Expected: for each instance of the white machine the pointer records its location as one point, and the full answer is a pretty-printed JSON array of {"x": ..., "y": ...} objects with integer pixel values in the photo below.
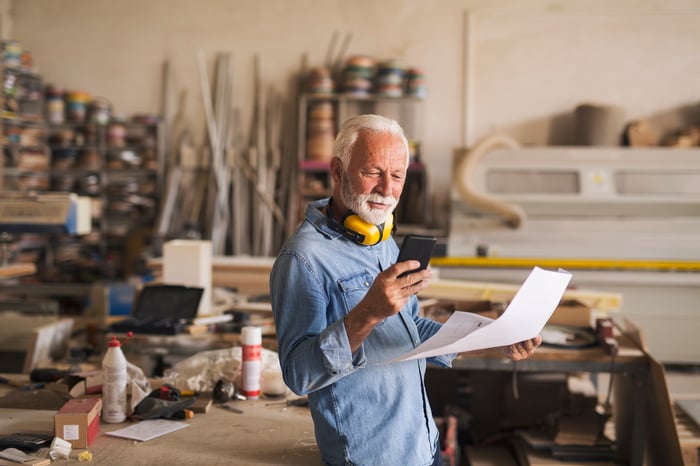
[
  {"x": 621, "y": 219},
  {"x": 44, "y": 213}
]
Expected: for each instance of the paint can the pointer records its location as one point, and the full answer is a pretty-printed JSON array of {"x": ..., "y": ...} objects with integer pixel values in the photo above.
[
  {"x": 116, "y": 134},
  {"x": 100, "y": 111},
  {"x": 11, "y": 53},
  {"x": 55, "y": 107},
  {"x": 76, "y": 106}
]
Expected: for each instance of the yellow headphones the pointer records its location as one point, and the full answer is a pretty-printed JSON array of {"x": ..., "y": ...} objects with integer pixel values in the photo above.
[
  {"x": 359, "y": 231},
  {"x": 365, "y": 233}
]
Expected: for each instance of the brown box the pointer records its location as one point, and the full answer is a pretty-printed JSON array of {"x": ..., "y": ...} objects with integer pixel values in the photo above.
[
  {"x": 78, "y": 421},
  {"x": 78, "y": 384},
  {"x": 572, "y": 313}
]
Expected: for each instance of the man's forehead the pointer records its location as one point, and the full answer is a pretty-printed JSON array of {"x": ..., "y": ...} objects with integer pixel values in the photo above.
[{"x": 378, "y": 147}]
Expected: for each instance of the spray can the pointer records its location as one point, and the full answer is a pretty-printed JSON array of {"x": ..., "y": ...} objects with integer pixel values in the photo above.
[
  {"x": 251, "y": 342},
  {"x": 114, "y": 383}
]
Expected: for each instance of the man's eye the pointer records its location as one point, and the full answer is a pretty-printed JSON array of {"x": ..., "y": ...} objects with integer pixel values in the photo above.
[{"x": 373, "y": 174}]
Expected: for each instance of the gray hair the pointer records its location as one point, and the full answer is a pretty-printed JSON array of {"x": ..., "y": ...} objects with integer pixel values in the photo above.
[{"x": 350, "y": 130}]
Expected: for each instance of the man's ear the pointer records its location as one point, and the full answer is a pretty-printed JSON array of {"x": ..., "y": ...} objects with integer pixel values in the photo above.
[{"x": 336, "y": 170}]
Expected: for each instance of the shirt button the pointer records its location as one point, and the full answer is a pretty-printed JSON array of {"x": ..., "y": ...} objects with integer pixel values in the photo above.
[{"x": 366, "y": 283}]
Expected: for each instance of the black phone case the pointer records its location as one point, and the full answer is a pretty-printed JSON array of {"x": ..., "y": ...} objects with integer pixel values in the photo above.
[{"x": 417, "y": 247}]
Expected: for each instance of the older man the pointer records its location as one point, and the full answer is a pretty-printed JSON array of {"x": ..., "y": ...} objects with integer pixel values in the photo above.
[{"x": 342, "y": 311}]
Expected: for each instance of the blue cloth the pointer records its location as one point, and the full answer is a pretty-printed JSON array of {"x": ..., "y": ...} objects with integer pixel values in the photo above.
[{"x": 365, "y": 412}]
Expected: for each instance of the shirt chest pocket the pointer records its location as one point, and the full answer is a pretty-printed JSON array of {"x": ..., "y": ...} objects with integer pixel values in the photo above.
[{"x": 353, "y": 288}]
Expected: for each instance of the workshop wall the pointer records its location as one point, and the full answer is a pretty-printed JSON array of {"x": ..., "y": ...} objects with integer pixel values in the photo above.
[{"x": 531, "y": 61}]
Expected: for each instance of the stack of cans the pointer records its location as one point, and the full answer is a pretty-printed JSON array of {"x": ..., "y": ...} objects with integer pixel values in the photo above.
[
  {"x": 390, "y": 79},
  {"x": 358, "y": 75},
  {"x": 415, "y": 85},
  {"x": 319, "y": 81},
  {"x": 320, "y": 132}
]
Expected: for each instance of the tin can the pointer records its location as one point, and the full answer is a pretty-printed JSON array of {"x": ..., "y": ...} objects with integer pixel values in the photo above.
[
  {"x": 76, "y": 106},
  {"x": 55, "y": 107},
  {"x": 100, "y": 111}
]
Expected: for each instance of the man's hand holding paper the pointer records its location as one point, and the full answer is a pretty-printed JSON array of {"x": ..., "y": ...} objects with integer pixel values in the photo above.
[{"x": 516, "y": 330}]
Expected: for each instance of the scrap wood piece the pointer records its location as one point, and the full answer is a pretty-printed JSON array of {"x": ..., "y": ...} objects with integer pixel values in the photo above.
[
  {"x": 202, "y": 404},
  {"x": 17, "y": 270},
  {"x": 29, "y": 461},
  {"x": 499, "y": 292}
]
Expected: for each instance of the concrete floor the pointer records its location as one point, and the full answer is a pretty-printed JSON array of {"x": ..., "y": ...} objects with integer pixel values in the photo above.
[{"x": 683, "y": 381}]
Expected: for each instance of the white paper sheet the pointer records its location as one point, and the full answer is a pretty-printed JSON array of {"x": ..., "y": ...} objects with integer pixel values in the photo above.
[
  {"x": 524, "y": 318},
  {"x": 149, "y": 429}
]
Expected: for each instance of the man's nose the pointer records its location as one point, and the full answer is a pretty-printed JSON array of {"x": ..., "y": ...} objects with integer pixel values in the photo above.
[{"x": 384, "y": 185}]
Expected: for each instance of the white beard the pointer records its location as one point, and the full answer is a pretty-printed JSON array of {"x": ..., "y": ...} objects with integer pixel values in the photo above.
[{"x": 358, "y": 203}]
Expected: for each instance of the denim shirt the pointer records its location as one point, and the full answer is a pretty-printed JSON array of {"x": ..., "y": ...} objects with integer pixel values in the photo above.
[{"x": 365, "y": 411}]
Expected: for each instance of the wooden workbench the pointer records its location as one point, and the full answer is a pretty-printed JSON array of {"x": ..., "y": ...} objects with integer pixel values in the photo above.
[
  {"x": 262, "y": 435},
  {"x": 631, "y": 362}
]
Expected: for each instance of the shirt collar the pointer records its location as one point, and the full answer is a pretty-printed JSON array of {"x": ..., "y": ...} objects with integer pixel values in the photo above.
[{"x": 319, "y": 218}]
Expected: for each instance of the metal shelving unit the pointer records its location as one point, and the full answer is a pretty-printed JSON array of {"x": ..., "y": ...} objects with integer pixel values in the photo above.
[
  {"x": 25, "y": 153},
  {"x": 122, "y": 178}
]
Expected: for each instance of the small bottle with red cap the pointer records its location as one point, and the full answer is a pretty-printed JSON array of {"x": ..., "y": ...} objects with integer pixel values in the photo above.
[{"x": 114, "y": 383}]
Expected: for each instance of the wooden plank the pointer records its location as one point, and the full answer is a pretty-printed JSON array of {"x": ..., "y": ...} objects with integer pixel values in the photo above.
[
  {"x": 499, "y": 292},
  {"x": 17, "y": 270},
  {"x": 32, "y": 461}
]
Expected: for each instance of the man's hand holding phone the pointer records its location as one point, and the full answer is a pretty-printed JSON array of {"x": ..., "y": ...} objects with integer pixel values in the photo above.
[{"x": 416, "y": 247}]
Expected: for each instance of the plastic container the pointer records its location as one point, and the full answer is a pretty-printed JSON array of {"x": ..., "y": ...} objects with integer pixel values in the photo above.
[
  {"x": 114, "y": 384},
  {"x": 251, "y": 343}
]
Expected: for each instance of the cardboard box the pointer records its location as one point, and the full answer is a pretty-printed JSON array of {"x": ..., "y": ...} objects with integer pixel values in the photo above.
[
  {"x": 78, "y": 421},
  {"x": 572, "y": 312},
  {"x": 79, "y": 384},
  {"x": 93, "y": 381}
]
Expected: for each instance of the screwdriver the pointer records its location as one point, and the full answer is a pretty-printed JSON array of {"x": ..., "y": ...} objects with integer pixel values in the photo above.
[{"x": 19, "y": 384}]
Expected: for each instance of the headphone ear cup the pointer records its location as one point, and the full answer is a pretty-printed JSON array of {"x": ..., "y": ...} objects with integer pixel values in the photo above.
[
  {"x": 361, "y": 231},
  {"x": 365, "y": 233}
]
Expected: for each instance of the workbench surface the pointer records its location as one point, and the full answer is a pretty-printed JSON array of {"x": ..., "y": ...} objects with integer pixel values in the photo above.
[{"x": 263, "y": 434}]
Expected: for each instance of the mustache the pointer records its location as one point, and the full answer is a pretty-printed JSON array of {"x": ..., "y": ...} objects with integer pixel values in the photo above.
[{"x": 390, "y": 201}]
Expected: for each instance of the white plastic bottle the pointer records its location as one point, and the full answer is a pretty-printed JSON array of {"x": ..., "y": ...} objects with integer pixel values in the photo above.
[
  {"x": 114, "y": 383},
  {"x": 251, "y": 342}
]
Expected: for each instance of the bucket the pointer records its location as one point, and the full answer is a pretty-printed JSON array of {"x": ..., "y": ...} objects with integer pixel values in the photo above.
[{"x": 599, "y": 125}]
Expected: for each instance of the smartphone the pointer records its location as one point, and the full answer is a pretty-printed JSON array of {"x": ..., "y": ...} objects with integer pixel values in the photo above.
[{"x": 417, "y": 247}]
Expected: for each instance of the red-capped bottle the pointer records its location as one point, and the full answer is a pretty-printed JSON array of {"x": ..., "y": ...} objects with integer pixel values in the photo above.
[{"x": 114, "y": 383}]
